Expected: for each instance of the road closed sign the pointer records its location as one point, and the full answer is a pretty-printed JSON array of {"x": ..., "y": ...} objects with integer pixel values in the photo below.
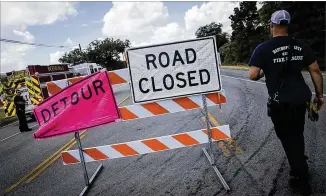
[{"x": 173, "y": 70}]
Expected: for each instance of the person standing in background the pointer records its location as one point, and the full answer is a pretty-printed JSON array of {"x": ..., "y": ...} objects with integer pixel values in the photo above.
[
  {"x": 20, "y": 111},
  {"x": 281, "y": 60}
]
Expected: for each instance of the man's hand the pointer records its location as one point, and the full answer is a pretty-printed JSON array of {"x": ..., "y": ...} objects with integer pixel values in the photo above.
[
  {"x": 317, "y": 79},
  {"x": 319, "y": 101},
  {"x": 255, "y": 73}
]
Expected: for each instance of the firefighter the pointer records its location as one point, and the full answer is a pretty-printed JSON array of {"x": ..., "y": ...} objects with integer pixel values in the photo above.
[
  {"x": 281, "y": 59},
  {"x": 20, "y": 111}
]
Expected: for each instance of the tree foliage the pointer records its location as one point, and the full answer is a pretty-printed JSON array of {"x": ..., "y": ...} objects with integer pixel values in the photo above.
[
  {"x": 247, "y": 31},
  {"x": 105, "y": 53},
  {"x": 74, "y": 57},
  {"x": 213, "y": 29}
]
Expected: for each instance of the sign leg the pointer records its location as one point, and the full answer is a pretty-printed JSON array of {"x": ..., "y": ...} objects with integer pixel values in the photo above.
[
  {"x": 208, "y": 126},
  {"x": 210, "y": 155},
  {"x": 88, "y": 182},
  {"x": 82, "y": 160}
]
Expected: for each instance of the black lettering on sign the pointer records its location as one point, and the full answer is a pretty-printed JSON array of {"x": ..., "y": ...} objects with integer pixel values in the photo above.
[
  {"x": 181, "y": 79},
  {"x": 98, "y": 85},
  {"x": 166, "y": 57},
  {"x": 64, "y": 101},
  {"x": 44, "y": 117},
  {"x": 177, "y": 57},
  {"x": 190, "y": 78},
  {"x": 171, "y": 79},
  {"x": 153, "y": 84},
  {"x": 152, "y": 60},
  {"x": 140, "y": 85},
  {"x": 54, "y": 109},
  {"x": 89, "y": 90},
  {"x": 74, "y": 102},
  {"x": 188, "y": 55},
  {"x": 202, "y": 77}
]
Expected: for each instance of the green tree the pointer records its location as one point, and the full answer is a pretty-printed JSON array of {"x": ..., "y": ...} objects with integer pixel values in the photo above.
[
  {"x": 213, "y": 29},
  {"x": 105, "y": 53},
  {"x": 247, "y": 33},
  {"x": 74, "y": 57},
  {"x": 228, "y": 56}
]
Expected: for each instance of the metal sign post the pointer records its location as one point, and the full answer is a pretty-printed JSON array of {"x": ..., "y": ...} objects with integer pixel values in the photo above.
[
  {"x": 210, "y": 156},
  {"x": 88, "y": 183}
]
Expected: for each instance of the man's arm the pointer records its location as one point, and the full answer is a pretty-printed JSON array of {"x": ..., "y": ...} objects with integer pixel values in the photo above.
[
  {"x": 255, "y": 73},
  {"x": 317, "y": 79},
  {"x": 256, "y": 64}
]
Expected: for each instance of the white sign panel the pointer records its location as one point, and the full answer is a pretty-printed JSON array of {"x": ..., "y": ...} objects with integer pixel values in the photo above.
[{"x": 174, "y": 69}]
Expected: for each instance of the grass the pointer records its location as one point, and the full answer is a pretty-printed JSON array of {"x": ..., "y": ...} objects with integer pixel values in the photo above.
[
  {"x": 236, "y": 67},
  {"x": 2, "y": 113}
]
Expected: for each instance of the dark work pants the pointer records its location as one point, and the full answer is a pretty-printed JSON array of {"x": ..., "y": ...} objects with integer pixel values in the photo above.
[
  {"x": 23, "y": 126},
  {"x": 289, "y": 123}
]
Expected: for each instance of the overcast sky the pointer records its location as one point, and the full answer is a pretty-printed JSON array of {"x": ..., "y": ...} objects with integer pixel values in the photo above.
[{"x": 73, "y": 23}]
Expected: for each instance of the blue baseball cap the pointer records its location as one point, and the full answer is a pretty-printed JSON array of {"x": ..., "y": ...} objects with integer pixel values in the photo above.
[{"x": 281, "y": 17}]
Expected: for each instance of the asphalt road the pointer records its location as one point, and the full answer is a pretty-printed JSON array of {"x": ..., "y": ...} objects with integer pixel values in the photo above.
[{"x": 256, "y": 167}]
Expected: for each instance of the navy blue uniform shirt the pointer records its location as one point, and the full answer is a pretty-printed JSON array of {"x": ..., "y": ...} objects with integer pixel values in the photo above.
[
  {"x": 19, "y": 107},
  {"x": 271, "y": 55}
]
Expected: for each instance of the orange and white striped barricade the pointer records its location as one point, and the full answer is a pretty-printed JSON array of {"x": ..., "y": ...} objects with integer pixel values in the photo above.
[
  {"x": 169, "y": 106},
  {"x": 116, "y": 77},
  {"x": 146, "y": 146},
  {"x": 145, "y": 110},
  {"x": 148, "y": 74}
]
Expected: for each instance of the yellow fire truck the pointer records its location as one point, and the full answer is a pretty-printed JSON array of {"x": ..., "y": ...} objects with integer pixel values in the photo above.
[
  {"x": 38, "y": 75},
  {"x": 32, "y": 83},
  {"x": 14, "y": 81}
]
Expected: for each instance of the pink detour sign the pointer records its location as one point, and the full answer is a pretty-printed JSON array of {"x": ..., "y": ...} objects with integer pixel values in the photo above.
[{"x": 85, "y": 104}]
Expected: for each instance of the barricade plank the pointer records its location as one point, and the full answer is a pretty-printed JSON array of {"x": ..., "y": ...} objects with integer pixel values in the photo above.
[
  {"x": 147, "y": 145},
  {"x": 145, "y": 110}
]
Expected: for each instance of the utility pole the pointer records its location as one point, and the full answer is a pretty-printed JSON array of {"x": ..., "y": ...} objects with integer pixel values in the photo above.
[
  {"x": 85, "y": 59},
  {"x": 81, "y": 52}
]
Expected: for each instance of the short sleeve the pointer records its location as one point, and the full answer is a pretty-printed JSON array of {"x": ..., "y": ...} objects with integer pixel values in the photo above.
[
  {"x": 309, "y": 56},
  {"x": 256, "y": 57}
]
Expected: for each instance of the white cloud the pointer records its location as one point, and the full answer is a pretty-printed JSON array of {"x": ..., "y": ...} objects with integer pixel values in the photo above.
[
  {"x": 54, "y": 57},
  {"x": 35, "y": 13},
  {"x": 20, "y": 15},
  {"x": 259, "y": 5},
  {"x": 168, "y": 33},
  {"x": 84, "y": 25},
  {"x": 68, "y": 41},
  {"x": 12, "y": 55},
  {"x": 133, "y": 18},
  {"x": 25, "y": 34},
  {"x": 147, "y": 27},
  {"x": 210, "y": 12}
]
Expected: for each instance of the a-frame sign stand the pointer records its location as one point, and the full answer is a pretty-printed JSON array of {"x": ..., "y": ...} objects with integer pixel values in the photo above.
[
  {"x": 88, "y": 182},
  {"x": 210, "y": 155}
]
